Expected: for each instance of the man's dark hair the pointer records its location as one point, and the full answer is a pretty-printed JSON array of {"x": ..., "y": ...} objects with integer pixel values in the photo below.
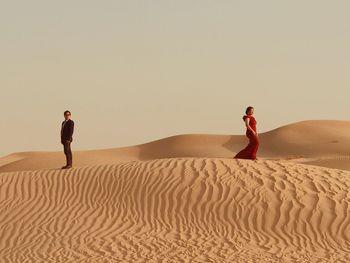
[
  {"x": 67, "y": 111},
  {"x": 248, "y": 109}
]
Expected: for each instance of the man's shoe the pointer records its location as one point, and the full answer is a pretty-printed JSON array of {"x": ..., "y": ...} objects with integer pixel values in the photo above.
[
  {"x": 67, "y": 167},
  {"x": 64, "y": 167}
]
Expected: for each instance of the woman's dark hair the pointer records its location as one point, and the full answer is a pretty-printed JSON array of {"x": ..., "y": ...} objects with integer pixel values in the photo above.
[
  {"x": 67, "y": 111},
  {"x": 248, "y": 109}
]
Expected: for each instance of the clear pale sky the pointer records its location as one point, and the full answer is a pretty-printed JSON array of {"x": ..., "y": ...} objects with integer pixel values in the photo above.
[{"x": 136, "y": 71}]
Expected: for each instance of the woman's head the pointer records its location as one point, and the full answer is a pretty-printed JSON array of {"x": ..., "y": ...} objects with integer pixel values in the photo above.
[{"x": 249, "y": 110}]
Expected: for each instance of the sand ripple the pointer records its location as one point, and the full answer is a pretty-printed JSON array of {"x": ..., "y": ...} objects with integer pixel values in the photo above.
[{"x": 177, "y": 210}]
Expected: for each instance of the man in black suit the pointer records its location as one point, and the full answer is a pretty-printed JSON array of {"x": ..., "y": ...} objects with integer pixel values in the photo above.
[{"x": 66, "y": 138}]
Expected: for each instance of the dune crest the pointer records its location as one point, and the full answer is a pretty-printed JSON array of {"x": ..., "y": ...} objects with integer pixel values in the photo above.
[
  {"x": 307, "y": 141},
  {"x": 177, "y": 210}
]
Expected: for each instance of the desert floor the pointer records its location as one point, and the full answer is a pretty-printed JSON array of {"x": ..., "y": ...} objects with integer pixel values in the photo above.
[{"x": 183, "y": 199}]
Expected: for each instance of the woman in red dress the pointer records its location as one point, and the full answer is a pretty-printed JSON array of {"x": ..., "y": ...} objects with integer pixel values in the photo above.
[{"x": 249, "y": 152}]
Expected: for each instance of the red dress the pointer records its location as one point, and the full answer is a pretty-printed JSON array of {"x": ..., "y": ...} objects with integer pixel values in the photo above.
[{"x": 249, "y": 152}]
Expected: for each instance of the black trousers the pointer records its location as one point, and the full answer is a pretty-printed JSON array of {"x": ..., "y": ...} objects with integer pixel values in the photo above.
[{"x": 68, "y": 152}]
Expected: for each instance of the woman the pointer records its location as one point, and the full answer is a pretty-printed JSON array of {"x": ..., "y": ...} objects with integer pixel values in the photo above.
[{"x": 249, "y": 152}]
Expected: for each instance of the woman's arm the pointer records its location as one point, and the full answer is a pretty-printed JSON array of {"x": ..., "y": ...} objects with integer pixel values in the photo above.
[{"x": 248, "y": 126}]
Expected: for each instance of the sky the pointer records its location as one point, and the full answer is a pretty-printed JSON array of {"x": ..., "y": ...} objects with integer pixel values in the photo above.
[{"x": 136, "y": 71}]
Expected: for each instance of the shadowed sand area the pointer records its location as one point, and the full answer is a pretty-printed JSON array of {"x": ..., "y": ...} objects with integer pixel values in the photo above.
[{"x": 183, "y": 199}]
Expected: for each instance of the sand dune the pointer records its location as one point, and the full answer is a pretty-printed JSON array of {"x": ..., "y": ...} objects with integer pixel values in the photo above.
[
  {"x": 306, "y": 140},
  {"x": 183, "y": 199},
  {"x": 177, "y": 210}
]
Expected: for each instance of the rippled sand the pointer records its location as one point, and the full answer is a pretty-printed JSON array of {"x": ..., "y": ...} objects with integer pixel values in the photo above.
[{"x": 177, "y": 210}]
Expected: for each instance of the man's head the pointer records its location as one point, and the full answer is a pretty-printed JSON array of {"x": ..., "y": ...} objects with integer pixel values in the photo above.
[{"x": 67, "y": 115}]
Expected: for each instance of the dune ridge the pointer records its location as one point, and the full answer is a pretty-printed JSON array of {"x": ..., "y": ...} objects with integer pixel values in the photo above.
[
  {"x": 305, "y": 141},
  {"x": 177, "y": 210}
]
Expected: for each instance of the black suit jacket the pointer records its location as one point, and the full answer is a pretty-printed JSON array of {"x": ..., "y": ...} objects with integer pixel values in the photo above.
[{"x": 67, "y": 131}]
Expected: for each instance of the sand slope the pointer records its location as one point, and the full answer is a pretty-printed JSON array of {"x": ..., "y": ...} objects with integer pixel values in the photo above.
[
  {"x": 177, "y": 210},
  {"x": 308, "y": 141},
  {"x": 183, "y": 199}
]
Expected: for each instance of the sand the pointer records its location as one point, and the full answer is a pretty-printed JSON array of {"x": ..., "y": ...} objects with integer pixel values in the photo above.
[
  {"x": 183, "y": 199},
  {"x": 326, "y": 142}
]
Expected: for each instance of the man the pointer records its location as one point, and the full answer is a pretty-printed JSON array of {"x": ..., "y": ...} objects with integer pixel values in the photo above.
[{"x": 66, "y": 138}]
